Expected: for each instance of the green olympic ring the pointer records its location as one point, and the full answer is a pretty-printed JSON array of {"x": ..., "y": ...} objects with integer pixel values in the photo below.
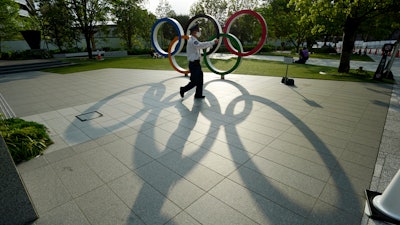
[{"x": 238, "y": 46}]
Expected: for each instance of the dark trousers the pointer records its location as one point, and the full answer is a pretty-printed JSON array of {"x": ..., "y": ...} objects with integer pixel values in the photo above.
[
  {"x": 196, "y": 78},
  {"x": 301, "y": 60}
]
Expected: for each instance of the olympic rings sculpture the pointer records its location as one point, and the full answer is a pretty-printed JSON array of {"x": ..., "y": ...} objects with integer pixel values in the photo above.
[{"x": 231, "y": 42}]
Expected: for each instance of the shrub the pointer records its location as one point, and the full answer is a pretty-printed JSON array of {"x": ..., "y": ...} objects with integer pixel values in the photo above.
[
  {"x": 324, "y": 49},
  {"x": 24, "y": 139},
  {"x": 27, "y": 54}
]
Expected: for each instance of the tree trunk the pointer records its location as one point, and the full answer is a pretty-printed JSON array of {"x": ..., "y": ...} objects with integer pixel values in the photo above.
[
  {"x": 349, "y": 36},
  {"x": 88, "y": 45},
  {"x": 93, "y": 41}
]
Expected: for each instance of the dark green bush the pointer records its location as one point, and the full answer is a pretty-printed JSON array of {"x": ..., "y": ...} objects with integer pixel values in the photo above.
[
  {"x": 324, "y": 49},
  {"x": 27, "y": 54},
  {"x": 24, "y": 139}
]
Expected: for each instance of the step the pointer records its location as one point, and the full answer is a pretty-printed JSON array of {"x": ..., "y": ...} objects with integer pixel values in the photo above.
[{"x": 25, "y": 67}]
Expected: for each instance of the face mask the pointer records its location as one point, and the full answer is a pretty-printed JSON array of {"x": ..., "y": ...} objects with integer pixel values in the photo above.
[{"x": 198, "y": 34}]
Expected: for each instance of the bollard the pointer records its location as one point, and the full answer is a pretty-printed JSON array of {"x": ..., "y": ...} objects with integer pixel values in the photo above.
[{"x": 385, "y": 206}]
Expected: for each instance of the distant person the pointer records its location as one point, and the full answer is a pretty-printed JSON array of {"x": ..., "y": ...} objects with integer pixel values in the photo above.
[
  {"x": 303, "y": 56},
  {"x": 154, "y": 54}
]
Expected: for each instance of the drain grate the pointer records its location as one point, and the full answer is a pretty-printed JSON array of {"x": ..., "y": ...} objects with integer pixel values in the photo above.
[{"x": 89, "y": 116}]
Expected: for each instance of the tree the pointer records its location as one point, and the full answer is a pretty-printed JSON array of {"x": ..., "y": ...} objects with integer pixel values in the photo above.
[
  {"x": 132, "y": 21},
  {"x": 164, "y": 9},
  {"x": 215, "y": 8},
  {"x": 236, "y": 5},
  {"x": 8, "y": 19},
  {"x": 350, "y": 15},
  {"x": 57, "y": 23},
  {"x": 31, "y": 22},
  {"x": 284, "y": 23},
  {"x": 88, "y": 15}
]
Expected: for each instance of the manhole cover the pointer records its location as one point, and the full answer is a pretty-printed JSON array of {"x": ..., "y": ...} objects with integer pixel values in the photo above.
[{"x": 89, "y": 116}]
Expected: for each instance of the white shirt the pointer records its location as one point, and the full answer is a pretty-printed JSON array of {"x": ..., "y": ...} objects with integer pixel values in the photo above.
[{"x": 194, "y": 46}]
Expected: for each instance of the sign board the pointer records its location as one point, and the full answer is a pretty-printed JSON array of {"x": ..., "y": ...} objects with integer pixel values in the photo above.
[{"x": 288, "y": 60}]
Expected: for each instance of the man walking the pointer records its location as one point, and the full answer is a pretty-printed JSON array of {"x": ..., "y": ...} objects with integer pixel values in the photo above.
[{"x": 193, "y": 55}]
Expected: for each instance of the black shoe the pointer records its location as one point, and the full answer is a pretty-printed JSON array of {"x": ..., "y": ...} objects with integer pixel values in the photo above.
[
  {"x": 200, "y": 97},
  {"x": 181, "y": 92}
]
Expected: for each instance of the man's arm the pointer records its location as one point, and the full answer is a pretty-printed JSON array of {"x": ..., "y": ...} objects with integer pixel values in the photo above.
[{"x": 207, "y": 44}]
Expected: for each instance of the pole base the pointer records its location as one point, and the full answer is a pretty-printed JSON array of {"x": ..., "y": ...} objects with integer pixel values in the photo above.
[{"x": 375, "y": 213}]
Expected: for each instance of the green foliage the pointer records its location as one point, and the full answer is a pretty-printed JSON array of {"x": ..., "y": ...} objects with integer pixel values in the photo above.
[
  {"x": 57, "y": 24},
  {"x": 346, "y": 17},
  {"x": 27, "y": 54},
  {"x": 133, "y": 23},
  {"x": 8, "y": 19},
  {"x": 286, "y": 23},
  {"x": 24, "y": 139},
  {"x": 324, "y": 49}
]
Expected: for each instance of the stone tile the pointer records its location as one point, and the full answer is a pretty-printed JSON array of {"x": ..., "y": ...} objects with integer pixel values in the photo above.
[
  {"x": 198, "y": 174},
  {"x": 290, "y": 198},
  {"x": 107, "y": 139},
  {"x": 344, "y": 181},
  {"x": 76, "y": 176},
  {"x": 176, "y": 188},
  {"x": 79, "y": 148},
  {"x": 344, "y": 199},
  {"x": 128, "y": 132},
  {"x": 146, "y": 202},
  {"x": 95, "y": 132},
  {"x": 183, "y": 218},
  {"x": 58, "y": 143},
  {"x": 327, "y": 160},
  {"x": 250, "y": 137},
  {"x": 59, "y": 154},
  {"x": 130, "y": 156},
  {"x": 45, "y": 189},
  {"x": 75, "y": 137},
  {"x": 35, "y": 163},
  {"x": 102, "y": 206},
  {"x": 166, "y": 138},
  {"x": 66, "y": 214},
  {"x": 104, "y": 165},
  {"x": 359, "y": 159},
  {"x": 362, "y": 149},
  {"x": 304, "y": 166},
  {"x": 254, "y": 205},
  {"x": 228, "y": 150},
  {"x": 232, "y": 136},
  {"x": 149, "y": 146},
  {"x": 354, "y": 170},
  {"x": 324, "y": 213},
  {"x": 209, "y": 159},
  {"x": 286, "y": 176},
  {"x": 210, "y": 210}
]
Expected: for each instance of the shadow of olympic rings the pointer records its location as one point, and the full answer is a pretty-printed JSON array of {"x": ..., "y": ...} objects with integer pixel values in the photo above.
[{"x": 215, "y": 115}]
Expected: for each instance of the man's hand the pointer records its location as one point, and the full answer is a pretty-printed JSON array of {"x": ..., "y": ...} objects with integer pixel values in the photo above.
[{"x": 216, "y": 41}]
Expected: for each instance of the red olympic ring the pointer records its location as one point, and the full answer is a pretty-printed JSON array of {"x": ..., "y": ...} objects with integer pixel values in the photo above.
[{"x": 232, "y": 19}]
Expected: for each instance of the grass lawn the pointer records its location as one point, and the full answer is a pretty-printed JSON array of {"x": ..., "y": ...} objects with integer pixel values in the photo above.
[
  {"x": 248, "y": 66},
  {"x": 365, "y": 58}
]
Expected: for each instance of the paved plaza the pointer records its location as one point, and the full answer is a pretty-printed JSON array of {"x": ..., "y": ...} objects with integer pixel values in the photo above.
[{"x": 129, "y": 150}]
